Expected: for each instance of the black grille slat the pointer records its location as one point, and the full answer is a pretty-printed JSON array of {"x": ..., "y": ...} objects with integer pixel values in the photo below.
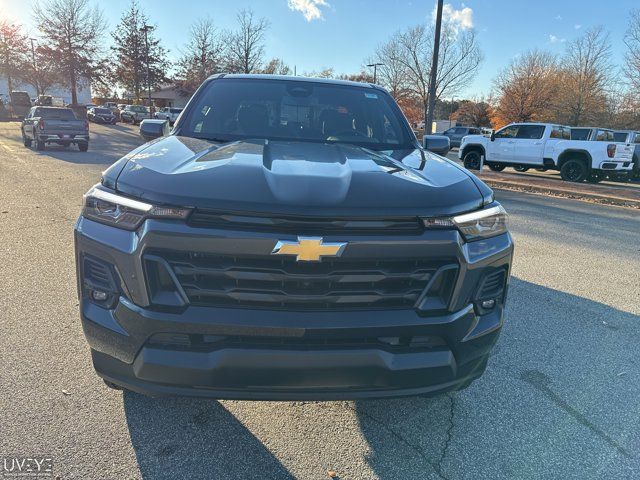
[
  {"x": 275, "y": 282},
  {"x": 492, "y": 284},
  {"x": 386, "y": 225}
]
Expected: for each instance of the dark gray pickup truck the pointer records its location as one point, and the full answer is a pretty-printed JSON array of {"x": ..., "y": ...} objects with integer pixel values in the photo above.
[{"x": 44, "y": 125}]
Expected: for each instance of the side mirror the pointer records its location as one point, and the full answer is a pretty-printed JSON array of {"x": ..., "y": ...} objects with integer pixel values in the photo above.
[
  {"x": 151, "y": 129},
  {"x": 493, "y": 135},
  {"x": 438, "y": 144}
]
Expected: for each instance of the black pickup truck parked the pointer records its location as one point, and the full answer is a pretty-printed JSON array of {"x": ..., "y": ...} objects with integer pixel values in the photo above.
[
  {"x": 44, "y": 125},
  {"x": 290, "y": 239}
]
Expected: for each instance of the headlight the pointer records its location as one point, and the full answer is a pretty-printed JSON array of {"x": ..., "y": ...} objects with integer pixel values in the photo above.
[
  {"x": 484, "y": 223},
  {"x": 123, "y": 212}
]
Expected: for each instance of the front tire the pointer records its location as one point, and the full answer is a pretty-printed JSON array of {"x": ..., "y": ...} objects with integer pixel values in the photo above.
[
  {"x": 574, "y": 171},
  {"x": 520, "y": 168},
  {"x": 40, "y": 145},
  {"x": 26, "y": 141},
  {"x": 497, "y": 167},
  {"x": 83, "y": 147},
  {"x": 471, "y": 160}
]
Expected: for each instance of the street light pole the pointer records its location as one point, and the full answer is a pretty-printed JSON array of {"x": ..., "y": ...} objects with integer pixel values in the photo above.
[
  {"x": 33, "y": 59},
  {"x": 375, "y": 70},
  {"x": 146, "y": 29},
  {"x": 428, "y": 121}
]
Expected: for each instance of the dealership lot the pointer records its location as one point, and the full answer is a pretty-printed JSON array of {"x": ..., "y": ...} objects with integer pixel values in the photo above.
[{"x": 559, "y": 399}]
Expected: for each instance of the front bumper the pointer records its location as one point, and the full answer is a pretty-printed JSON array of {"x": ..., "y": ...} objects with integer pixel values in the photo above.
[{"x": 284, "y": 354}]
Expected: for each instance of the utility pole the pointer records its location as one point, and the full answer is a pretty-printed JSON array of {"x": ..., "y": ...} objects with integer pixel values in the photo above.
[
  {"x": 428, "y": 120},
  {"x": 146, "y": 29},
  {"x": 33, "y": 59},
  {"x": 375, "y": 70}
]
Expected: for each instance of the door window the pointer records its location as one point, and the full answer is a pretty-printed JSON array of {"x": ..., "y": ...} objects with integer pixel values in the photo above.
[
  {"x": 530, "y": 132},
  {"x": 507, "y": 132}
]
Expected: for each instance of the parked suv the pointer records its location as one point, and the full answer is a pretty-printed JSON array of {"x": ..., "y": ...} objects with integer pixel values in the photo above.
[
  {"x": 290, "y": 239},
  {"x": 134, "y": 114},
  {"x": 456, "y": 134}
]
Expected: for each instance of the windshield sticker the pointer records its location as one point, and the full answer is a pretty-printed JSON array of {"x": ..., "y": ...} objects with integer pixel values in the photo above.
[{"x": 371, "y": 95}]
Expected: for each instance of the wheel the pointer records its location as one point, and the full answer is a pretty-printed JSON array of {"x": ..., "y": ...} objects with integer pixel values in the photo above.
[
  {"x": 541, "y": 169},
  {"x": 520, "y": 168},
  {"x": 594, "y": 177},
  {"x": 574, "y": 171},
  {"x": 472, "y": 160},
  {"x": 39, "y": 145},
  {"x": 26, "y": 141},
  {"x": 496, "y": 167},
  {"x": 111, "y": 385},
  {"x": 83, "y": 146}
]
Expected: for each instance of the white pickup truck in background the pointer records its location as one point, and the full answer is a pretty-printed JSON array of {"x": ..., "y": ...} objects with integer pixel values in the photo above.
[{"x": 546, "y": 146}]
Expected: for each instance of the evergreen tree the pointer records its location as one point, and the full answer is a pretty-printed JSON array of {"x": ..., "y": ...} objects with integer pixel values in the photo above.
[{"x": 130, "y": 53}]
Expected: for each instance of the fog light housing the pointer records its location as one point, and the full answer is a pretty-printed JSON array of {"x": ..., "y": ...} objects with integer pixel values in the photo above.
[{"x": 99, "y": 296}]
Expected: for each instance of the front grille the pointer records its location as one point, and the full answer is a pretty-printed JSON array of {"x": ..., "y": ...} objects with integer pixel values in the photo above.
[
  {"x": 304, "y": 225},
  {"x": 283, "y": 283}
]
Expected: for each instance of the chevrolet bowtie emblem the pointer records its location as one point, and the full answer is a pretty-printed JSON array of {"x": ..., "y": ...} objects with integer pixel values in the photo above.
[{"x": 308, "y": 249}]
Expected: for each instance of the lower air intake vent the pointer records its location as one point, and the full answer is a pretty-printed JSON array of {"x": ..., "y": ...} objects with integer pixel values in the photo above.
[{"x": 492, "y": 285}]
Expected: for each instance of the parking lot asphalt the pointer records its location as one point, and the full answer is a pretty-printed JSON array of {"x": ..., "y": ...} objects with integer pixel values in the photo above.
[{"x": 560, "y": 398}]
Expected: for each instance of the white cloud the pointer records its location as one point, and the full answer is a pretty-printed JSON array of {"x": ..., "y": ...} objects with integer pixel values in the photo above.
[
  {"x": 309, "y": 8},
  {"x": 554, "y": 39},
  {"x": 577, "y": 26},
  {"x": 462, "y": 18},
  {"x": 558, "y": 17}
]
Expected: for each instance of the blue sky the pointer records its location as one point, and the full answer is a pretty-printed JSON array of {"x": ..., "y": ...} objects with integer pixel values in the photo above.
[{"x": 341, "y": 33}]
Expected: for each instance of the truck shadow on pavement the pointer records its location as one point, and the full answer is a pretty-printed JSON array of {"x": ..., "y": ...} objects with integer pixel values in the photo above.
[{"x": 558, "y": 400}]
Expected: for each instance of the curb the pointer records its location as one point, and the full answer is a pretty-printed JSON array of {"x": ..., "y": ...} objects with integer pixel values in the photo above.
[{"x": 605, "y": 199}]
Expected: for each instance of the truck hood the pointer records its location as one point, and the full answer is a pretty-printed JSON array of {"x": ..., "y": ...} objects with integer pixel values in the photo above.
[{"x": 294, "y": 178}]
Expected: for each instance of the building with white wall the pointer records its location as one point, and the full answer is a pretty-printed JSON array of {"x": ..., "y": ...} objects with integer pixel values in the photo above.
[{"x": 83, "y": 90}]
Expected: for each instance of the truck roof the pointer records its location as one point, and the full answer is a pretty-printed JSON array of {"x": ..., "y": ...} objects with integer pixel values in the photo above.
[{"x": 263, "y": 76}]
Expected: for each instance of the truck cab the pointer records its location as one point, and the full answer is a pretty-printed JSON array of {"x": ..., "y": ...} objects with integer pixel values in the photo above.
[{"x": 546, "y": 146}]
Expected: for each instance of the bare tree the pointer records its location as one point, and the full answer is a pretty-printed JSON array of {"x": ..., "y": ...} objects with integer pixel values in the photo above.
[
  {"x": 42, "y": 72},
  {"x": 392, "y": 74},
  {"x": 13, "y": 52},
  {"x": 586, "y": 77},
  {"x": 632, "y": 56},
  {"x": 408, "y": 54},
  {"x": 246, "y": 44},
  {"x": 73, "y": 32},
  {"x": 526, "y": 88},
  {"x": 203, "y": 55}
]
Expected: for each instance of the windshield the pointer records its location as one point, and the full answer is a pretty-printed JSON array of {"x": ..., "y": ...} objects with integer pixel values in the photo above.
[
  {"x": 55, "y": 113},
  {"x": 233, "y": 109},
  {"x": 102, "y": 110}
]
